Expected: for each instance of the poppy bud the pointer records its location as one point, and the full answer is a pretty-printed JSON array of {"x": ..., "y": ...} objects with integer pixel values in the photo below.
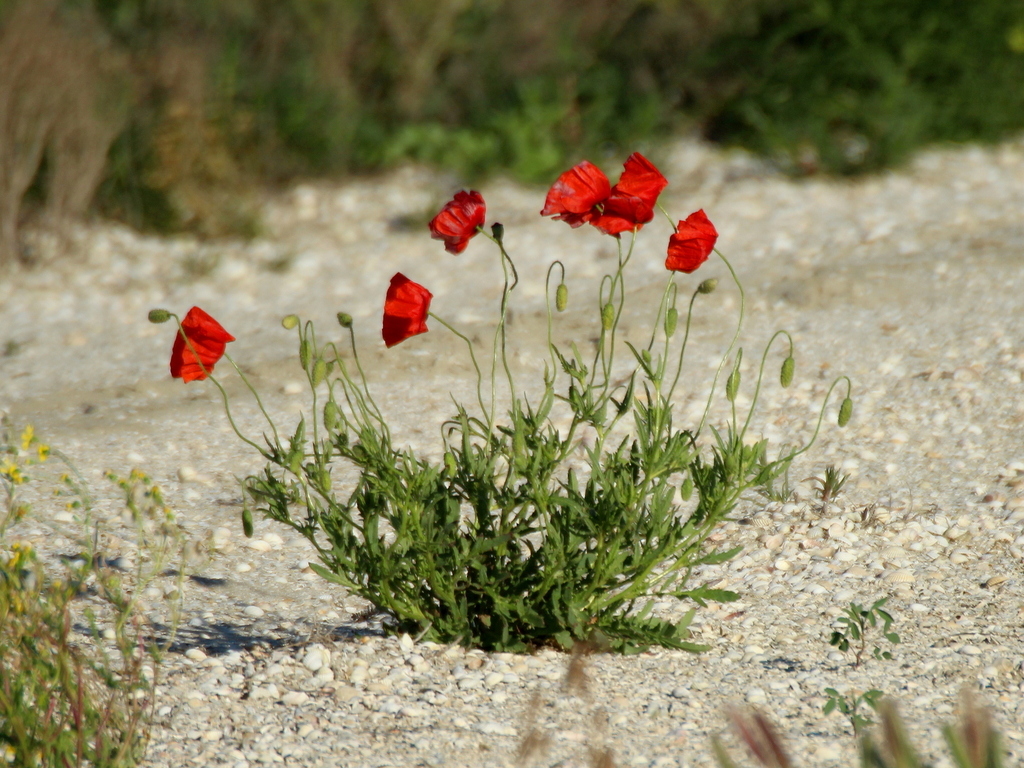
[
  {"x": 324, "y": 477},
  {"x": 247, "y": 522},
  {"x": 671, "y": 319},
  {"x": 159, "y": 315},
  {"x": 708, "y": 286},
  {"x": 732, "y": 384},
  {"x": 288, "y": 322},
  {"x": 561, "y": 297},
  {"x": 845, "y": 412},
  {"x": 686, "y": 489},
  {"x": 331, "y": 415},
  {"x": 295, "y": 463},
  {"x": 319, "y": 371},
  {"x": 645, "y": 355},
  {"x": 608, "y": 316},
  {"x": 344, "y": 320},
  {"x": 450, "y": 465},
  {"x": 498, "y": 231},
  {"x": 788, "y": 366},
  {"x": 304, "y": 353}
]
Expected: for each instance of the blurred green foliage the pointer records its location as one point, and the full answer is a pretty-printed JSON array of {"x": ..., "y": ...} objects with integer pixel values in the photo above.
[{"x": 227, "y": 91}]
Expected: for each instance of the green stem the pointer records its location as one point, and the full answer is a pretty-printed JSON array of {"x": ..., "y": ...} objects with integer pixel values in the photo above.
[
  {"x": 476, "y": 366},
  {"x": 223, "y": 393},
  {"x": 760, "y": 376},
  {"x": 732, "y": 344},
  {"x": 821, "y": 415},
  {"x": 255, "y": 394},
  {"x": 547, "y": 303}
]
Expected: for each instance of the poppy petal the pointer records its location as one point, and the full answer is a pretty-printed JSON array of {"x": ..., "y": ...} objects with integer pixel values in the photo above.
[
  {"x": 623, "y": 213},
  {"x": 641, "y": 179},
  {"x": 459, "y": 221},
  {"x": 405, "y": 310},
  {"x": 692, "y": 243},
  {"x": 575, "y": 193},
  {"x": 207, "y": 337}
]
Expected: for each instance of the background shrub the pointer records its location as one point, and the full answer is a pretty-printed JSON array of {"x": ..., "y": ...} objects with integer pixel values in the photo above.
[{"x": 213, "y": 95}]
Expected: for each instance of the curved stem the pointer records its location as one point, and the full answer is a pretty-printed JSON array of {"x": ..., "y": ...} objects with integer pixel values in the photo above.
[
  {"x": 223, "y": 393},
  {"x": 547, "y": 304},
  {"x": 682, "y": 349},
  {"x": 472, "y": 356},
  {"x": 821, "y": 415},
  {"x": 732, "y": 344},
  {"x": 255, "y": 394},
  {"x": 760, "y": 375}
]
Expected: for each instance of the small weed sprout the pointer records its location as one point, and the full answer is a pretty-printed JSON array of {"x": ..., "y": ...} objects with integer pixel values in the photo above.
[
  {"x": 854, "y": 634},
  {"x": 830, "y": 485},
  {"x": 851, "y": 706}
]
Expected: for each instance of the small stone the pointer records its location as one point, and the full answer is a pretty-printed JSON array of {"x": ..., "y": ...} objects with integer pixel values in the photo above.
[
  {"x": 971, "y": 650},
  {"x": 259, "y": 545},
  {"x": 195, "y": 654},
  {"x": 243, "y": 568},
  {"x": 316, "y": 658},
  {"x": 268, "y": 691},
  {"x": 253, "y": 611},
  {"x": 756, "y": 696},
  {"x": 412, "y": 711},
  {"x": 346, "y": 693},
  {"x": 405, "y": 642},
  {"x": 187, "y": 474},
  {"x": 305, "y": 729},
  {"x": 213, "y": 735},
  {"x": 496, "y": 729},
  {"x": 494, "y": 678},
  {"x": 295, "y": 698},
  {"x": 292, "y": 388}
]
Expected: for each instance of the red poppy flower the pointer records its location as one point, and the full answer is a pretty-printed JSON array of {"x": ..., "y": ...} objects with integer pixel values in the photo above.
[
  {"x": 459, "y": 220},
  {"x": 405, "y": 310},
  {"x": 582, "y": 194},
  {"x": 576, "y": 194},
  {"x": 207, "y": 337},
  {"x": 691, "y": 244}
]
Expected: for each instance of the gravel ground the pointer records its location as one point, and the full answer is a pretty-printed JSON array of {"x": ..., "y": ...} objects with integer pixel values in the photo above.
[{"x": 910, "y": 282}]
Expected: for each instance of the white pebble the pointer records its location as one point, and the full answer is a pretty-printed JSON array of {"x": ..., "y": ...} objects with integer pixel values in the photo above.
[
  {"x": 494, "y": 678},
  {"x": 756, "y": 696},
  {"x": 496, "y": 729},
  {"x": 253, "y": 611},
  {"x": 295, "y": 698},
  {"x": 243, "y": 568},
  {"x": 195, "y": 654},
  {"x": 405, "y": 642},
  {"x": 316, "y": 658},
  {"x": 187, "y": 474},
  {"x": 292, "y": 388},
  {"x": 412, "y": 711}
]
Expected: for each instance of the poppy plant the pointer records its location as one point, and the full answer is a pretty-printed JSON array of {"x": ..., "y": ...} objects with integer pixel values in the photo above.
[
  {"x": 405, "y": 310},
  {"x": 459, "y": 220},
  {"x": 584, "y": 195},
  {"x": 207, "y": 337},
  {"x": 692, "y": 243}
]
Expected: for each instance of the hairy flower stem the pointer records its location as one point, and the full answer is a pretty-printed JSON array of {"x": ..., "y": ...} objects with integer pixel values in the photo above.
[
  {"x": 821, "y": 415},
  {"x": 760, "y": 375},
  {"x": 732, "y": 344},
  {"x": 476, "y": 366},
  {"x": 500, "y": 333},
  {"x": 223, "y": 393},
  {"x": 547, "y": 303}
]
